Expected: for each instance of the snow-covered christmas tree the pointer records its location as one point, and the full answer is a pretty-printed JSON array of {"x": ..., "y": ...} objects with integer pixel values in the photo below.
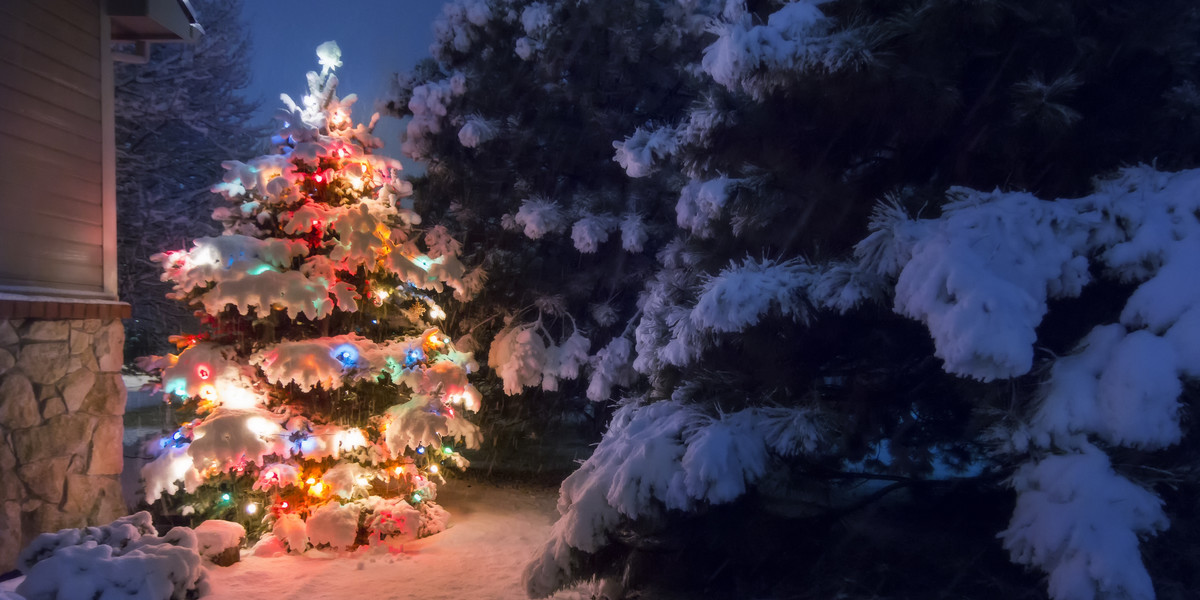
[{"x": 323, "y": 400}]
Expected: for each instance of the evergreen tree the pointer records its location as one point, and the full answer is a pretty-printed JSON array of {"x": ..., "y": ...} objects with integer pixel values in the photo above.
[
  {"x": 812, "y": 375},
  {"x": 515, "y": 118},
  {"x": 322, "y": 395},
  {"x": 177, "y": 116}
]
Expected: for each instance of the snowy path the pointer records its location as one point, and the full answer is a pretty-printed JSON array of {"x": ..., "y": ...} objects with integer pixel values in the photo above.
[{"x": 493, "y": 532}]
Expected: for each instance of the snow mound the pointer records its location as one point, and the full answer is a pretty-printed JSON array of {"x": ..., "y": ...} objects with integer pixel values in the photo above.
[
  {"x": 125, "y": 559},
  {"x": 216, "y": 536}
]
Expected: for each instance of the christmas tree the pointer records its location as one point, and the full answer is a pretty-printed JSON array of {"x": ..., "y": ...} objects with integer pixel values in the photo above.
[{"x": 323, "y": 399}]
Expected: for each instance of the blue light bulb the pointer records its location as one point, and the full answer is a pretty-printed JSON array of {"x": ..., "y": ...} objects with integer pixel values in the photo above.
[{"x": 346, "y": 354}]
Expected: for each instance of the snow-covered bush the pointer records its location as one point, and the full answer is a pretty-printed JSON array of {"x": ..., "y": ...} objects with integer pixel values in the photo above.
[{"x": 126, "y": 558}]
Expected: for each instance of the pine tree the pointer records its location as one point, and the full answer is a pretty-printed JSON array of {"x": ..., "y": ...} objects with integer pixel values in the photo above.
[
  {"x": 322, "y": 399},
  {"x": 515, "y": 117},
  {"x": 177, "y": 116},
  {"x": 781, "y": 388},
  {"x": 842, "y": 350}
]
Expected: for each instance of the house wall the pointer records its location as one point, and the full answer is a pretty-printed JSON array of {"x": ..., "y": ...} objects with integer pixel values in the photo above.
[
  {"x": 53, "y": 172},
  {"x": 61, "y": 405},
  {"x": 61, "y": 395}
]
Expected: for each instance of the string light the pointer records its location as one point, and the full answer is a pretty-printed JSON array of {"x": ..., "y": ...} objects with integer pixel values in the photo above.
[
  {"x": 346, "y": 354},
  {"x": 347, "y": 174},
  {"x": 209, "y": 392}
]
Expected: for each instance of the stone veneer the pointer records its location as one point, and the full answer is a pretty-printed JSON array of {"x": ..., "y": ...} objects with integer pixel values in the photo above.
[{"x": 61, "y": 405}]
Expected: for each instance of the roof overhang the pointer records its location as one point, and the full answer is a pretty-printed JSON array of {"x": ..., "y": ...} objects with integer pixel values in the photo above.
[{"x": 153, "y": 21}]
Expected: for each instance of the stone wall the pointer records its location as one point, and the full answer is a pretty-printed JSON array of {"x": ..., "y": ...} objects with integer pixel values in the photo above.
[{"x": 61, "y": 405}]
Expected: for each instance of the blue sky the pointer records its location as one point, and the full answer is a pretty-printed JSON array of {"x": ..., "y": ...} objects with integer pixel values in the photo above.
[{"x": 377, "y": 37}]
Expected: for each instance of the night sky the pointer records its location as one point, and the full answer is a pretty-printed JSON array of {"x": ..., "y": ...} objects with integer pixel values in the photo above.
[{"x": 378, "y": 38}]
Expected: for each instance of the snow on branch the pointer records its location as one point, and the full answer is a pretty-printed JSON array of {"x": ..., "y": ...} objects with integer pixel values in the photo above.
[
  {"x": 591, "y": 231},
  {"x": 664, "y": 455},
  {"x": 700, "y": 203},
  {"x": 797, "y": 39},
  {"x": 1080, "y": 521},
  {"x": 429, "y": 105},
  {"x": 640, "y": 153},
  {"x": 979, "y": 276},
  {"x": 739, "y": 296},
  {"x": 539, "y": 216},
  {"x": 457, "y": 27},
  {"x": 477, "y": 130}
]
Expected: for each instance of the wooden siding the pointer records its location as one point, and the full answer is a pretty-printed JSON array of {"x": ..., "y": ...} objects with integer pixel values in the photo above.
[{"x": 53, "y": 174}]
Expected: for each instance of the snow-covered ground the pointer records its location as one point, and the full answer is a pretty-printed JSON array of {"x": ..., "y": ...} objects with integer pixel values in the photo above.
[{"x": 493, "y": 533}]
